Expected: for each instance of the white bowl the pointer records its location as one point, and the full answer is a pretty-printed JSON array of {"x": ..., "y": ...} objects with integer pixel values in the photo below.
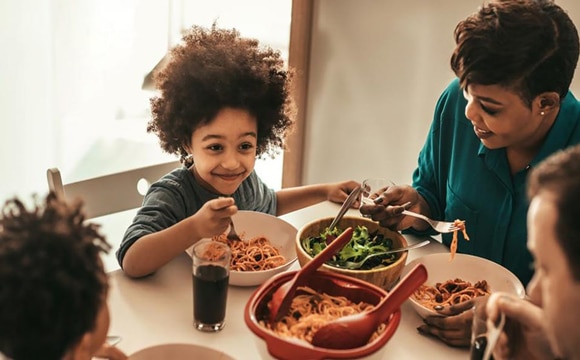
[
  {"x": 466, "y": 267},
  {"x": 179, "y": 352},
  {"x": 281, "y": 234}
]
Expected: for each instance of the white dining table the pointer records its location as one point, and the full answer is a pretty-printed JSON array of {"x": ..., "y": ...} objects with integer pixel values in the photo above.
[{"x": 158, "y": 309}]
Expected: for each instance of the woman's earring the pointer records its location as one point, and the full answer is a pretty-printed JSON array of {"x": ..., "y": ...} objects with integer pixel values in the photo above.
[{"x": 542, "y": 113}]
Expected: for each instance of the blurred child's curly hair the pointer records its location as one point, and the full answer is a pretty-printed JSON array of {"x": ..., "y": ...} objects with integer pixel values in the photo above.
[
  {"x": 213, "y": 69},
  {"x": 52, "y": 280}
]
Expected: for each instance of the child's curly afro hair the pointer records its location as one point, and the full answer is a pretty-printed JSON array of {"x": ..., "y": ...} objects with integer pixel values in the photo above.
[{"x": 211, "y": 70}]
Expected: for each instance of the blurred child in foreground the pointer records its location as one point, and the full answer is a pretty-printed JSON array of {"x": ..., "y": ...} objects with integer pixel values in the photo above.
[
  {"x": 224, "y": 101},
  {"x": 545, "y": 326},
  {"x": 53, "y": 287}
]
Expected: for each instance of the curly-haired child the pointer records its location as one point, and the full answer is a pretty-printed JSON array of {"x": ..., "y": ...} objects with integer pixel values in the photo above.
[
  {"x": 224, "y": 101},
  {"x": 53, "y": 287}
]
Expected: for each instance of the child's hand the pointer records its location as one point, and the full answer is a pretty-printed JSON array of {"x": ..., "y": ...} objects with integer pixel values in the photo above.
[
  {"x": 110, "y": 353},
  {"x": 214, "y": 217},
  {"x": 338, "y": 192}
]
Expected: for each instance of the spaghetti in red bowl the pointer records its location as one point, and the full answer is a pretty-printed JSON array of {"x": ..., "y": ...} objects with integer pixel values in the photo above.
[
  {"x": 323, "y": 284},
  {"x": 459, "y": 280}
]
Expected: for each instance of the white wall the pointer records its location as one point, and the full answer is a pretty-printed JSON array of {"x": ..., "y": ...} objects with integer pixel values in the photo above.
[
  {"x": 377, "y": 69},
  {"x": 25, "y": 93}
]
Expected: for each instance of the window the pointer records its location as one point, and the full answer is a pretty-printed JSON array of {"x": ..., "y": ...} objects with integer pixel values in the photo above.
[{"x": 71, "y": 93}]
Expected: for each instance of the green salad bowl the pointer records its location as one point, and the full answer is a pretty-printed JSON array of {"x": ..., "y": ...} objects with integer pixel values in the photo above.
[{"x": 384, "y": 274}]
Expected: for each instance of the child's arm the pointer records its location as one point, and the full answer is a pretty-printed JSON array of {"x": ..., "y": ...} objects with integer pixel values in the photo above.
[
  {"x": 294, "y": 198},
  {"x": 154, "y": 250}
]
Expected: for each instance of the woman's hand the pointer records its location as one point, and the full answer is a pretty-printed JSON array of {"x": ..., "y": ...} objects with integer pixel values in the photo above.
[
  {"x": 389, "y": 205},
  {"x": 454, "y": 326}
]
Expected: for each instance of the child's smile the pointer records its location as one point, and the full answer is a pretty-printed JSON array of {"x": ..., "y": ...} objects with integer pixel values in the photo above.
[{"x": 224, "y": 151}]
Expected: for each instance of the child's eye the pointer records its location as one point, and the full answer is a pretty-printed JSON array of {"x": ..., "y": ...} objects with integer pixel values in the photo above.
[
  {"x": 246, "y": 146},
  {"x": 215, "y": 147}
]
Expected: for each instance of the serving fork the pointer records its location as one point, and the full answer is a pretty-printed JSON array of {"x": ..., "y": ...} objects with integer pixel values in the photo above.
[{"x": 439, "y": 226}]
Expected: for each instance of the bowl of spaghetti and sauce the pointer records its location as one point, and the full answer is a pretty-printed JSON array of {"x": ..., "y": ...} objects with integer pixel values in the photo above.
[
  {"x": 266, "y": 249},
  {"x": 461, "y": 279},
  {"x": 335, "y": 295}
]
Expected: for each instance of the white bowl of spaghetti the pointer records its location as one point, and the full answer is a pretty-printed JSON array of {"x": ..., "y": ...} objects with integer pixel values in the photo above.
[
  {"x": 267, "y": 247},
  {"x": 459, "y": 280}
]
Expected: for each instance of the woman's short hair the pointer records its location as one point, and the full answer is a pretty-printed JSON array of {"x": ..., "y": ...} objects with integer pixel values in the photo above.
[{"x": 529, "y": 46}]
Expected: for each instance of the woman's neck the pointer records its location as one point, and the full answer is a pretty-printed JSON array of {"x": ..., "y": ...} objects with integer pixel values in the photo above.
[{"x": 520, "y": 156}]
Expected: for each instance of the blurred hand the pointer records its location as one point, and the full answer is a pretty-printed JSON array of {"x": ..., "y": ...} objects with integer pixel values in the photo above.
[
  {"x": 524, "y": 335},
  {"x": 389, "y": 205}
]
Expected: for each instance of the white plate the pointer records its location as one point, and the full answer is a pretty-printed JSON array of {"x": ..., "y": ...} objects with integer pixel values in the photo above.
[
  {"x": 466, "y": 267},
  {"x": 281, "y": 234},
  {"x": 179, "y": 352}
]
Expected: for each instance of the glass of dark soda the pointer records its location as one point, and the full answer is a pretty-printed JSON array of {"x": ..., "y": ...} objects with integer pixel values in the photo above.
[{"x": 210, "y": 274}]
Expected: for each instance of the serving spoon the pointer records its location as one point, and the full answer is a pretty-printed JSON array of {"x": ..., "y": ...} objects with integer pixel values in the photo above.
[
  {"x": 353, "y": 331},
  {"x": 282, "y": 297}
]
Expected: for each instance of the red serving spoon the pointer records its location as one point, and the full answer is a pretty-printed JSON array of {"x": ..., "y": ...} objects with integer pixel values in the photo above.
[
  {"x": 282, "y": 297},
  {"x": 353, "y": 331}
]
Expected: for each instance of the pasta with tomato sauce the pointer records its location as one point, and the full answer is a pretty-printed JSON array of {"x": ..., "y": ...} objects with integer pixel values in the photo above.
[
  {"x": 460, "y": 224},
  {"x": 253, "y": 254},
  {"x": 450, "y": 292},
  {"x": 311, "y": 310}
]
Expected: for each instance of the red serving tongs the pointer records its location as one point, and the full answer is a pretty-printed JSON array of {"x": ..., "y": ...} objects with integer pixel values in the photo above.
[{"x": 282, "y": 297}]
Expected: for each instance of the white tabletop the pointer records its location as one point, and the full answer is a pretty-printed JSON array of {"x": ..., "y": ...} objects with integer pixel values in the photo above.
[{"x": 159, "y": 309}]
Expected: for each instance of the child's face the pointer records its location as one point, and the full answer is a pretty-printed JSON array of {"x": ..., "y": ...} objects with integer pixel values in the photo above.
[{"x": 224, "y": 151}]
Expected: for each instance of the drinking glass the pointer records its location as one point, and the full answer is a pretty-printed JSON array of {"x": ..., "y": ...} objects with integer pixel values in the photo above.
[
  {"x": 372, "y": 188},
  {"x": 210, "y": 273}
]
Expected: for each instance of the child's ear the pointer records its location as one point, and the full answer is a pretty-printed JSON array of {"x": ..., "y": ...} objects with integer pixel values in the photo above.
[{"x": 82, "y": 349}]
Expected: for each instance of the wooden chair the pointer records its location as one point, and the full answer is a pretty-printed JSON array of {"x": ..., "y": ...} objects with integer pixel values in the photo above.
[{"x": 112, "y": 193}]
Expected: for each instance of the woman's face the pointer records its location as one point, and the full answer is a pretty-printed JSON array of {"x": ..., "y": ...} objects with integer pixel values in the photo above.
[
  {"x": 553, "y": 287},
  {"x": 224, "y": 151},
  {"x": 500, "y": 118}
]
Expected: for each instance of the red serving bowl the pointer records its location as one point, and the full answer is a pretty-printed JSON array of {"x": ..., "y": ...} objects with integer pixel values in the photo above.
[{"x": 272, "y": 345}]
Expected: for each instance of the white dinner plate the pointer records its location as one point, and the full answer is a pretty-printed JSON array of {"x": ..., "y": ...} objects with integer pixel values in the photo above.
[
  {"x": 179, "y": 352},
  {"x": 470, "y": 268}
]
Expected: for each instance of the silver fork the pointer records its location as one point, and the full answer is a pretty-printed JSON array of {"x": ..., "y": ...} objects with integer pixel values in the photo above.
[
  {"x": 232, "y": 235},
  {"x": 439, "y": 226}
]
